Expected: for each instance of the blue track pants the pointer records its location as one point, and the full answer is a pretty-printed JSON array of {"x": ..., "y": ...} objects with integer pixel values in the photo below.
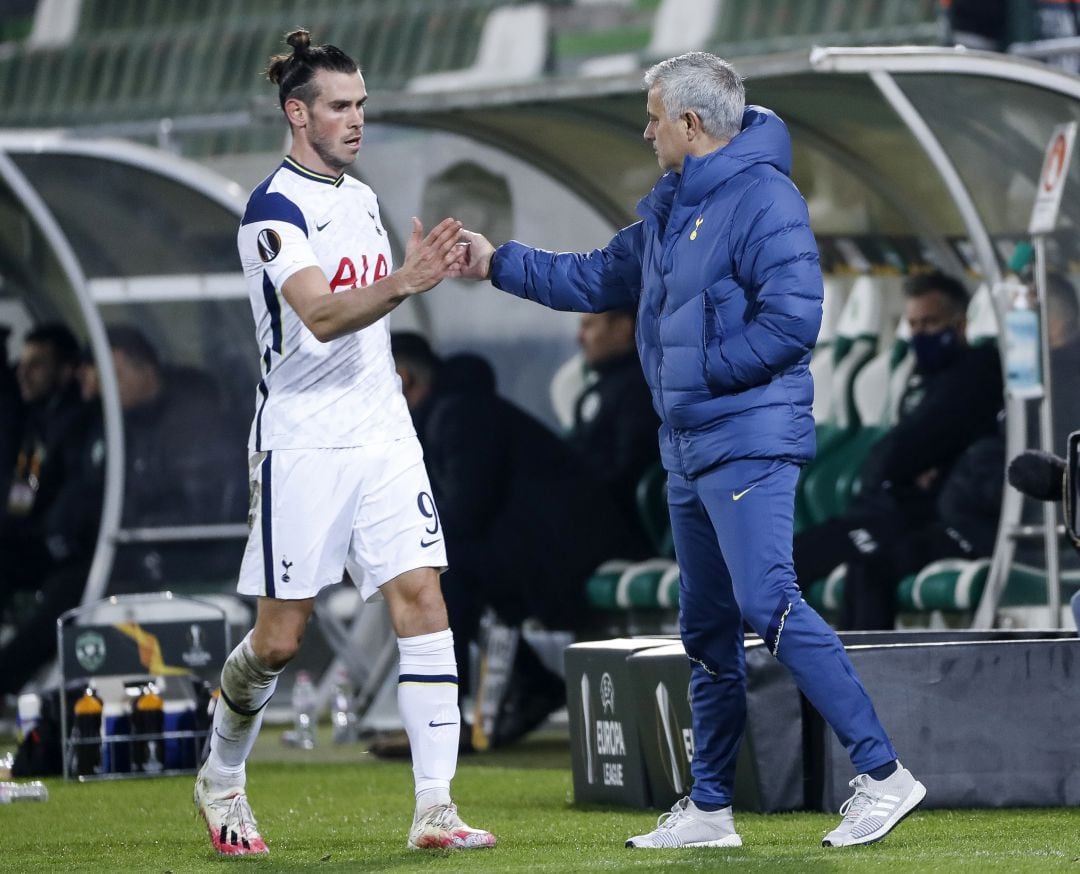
[{"x": 733, "y": 537}]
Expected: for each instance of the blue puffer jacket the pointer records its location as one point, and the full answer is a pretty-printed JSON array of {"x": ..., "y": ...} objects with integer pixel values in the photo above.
[{"x": 724, "y": 270}]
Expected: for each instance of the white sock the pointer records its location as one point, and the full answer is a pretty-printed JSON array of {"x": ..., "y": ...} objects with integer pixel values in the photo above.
[
  {"x": 246, "y": 686},
  {"x": 427, "y": 702}
]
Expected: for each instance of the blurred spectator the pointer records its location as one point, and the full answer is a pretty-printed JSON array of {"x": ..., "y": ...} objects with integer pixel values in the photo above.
[
  {"x": 1063, "y": 333},
  {"x": 183, "y": 464},
  {"x": 951, "y": 400},
  {"x": 1058, "y": 19},
  {"x": 978, "y": 24},
  {"x": 615, "y": 425},
  {"x": 50, "y": 522},
  {"x": 10, "y": 414},
  {"x": 525, "y": 524}
]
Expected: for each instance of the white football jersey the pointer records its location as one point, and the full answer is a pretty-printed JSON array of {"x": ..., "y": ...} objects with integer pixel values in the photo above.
[{"x": 318, "y": 395}]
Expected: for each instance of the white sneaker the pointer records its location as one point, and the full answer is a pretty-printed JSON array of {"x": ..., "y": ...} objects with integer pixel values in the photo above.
[
  {"x": 229, "y": 820},
  {"x": 440, "y": 828},
  {"x": 687, "y": 826},
  {"x": 875, "y": 808}
]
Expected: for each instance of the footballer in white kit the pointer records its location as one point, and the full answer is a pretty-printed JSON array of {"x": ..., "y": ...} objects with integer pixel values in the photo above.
[{"x": 338, "y": 479}]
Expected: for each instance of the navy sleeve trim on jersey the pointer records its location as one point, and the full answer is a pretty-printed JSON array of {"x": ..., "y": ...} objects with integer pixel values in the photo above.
[
  {"x": 272, "y": 206},
  {"x": 264, "y": 390},
  {"x": 273, "y": 307}
]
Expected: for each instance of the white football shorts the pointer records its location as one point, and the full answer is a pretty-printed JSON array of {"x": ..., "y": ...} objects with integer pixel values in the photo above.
[{"x": 316, "y": 513}]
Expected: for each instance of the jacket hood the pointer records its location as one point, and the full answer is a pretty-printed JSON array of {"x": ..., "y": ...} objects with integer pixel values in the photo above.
[{"x": 764, "y": 139}]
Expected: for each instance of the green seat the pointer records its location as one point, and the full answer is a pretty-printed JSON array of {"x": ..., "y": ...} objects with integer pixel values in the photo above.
[
  {"x": 646, "y": 585},
  {"x": 653, "y": 510},
  {"x": 1027, "y": 586},
  {"x": 600, "y": 587},
  {"x": 826, "y": 595},
  {"x": 951, "y": 585},
  {"x": 948, "y": 584}
]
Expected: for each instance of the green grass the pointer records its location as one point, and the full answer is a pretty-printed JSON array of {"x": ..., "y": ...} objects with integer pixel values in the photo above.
[{"x": 341, "y": 810}]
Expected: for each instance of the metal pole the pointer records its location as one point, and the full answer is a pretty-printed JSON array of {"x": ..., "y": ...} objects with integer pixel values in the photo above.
[{"x": 1046, "y": 438}]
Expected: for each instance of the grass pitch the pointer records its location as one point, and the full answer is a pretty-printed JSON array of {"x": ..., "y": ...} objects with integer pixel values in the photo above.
[{"x": 339, "y": 809}]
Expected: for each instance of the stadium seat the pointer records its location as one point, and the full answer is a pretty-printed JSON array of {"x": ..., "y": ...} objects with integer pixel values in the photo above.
[
  {"x": 857, "y": 333},
  {"x": 567, "y": 385},
  {"x": 822, "y": 358},
  {"x": 513, "y": 48},
  {"x": 55, "y": 23},
  {"x": 646, "y": 585},
  {"x": 653, "y": 510},
  {"x": 982, "y": 323},
  {"x": 683, "y": 26},
  {"x": 950, "y": 586}
]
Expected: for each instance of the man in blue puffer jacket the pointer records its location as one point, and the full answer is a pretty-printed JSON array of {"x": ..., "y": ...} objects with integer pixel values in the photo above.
[{"x": 723, "y": 269}]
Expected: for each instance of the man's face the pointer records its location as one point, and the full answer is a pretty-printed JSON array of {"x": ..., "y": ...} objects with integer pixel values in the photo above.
[
  {"x": 137, "y": 383},
  {"x": 667, "y": 135},
  {"x": 335, "y": 120},
  {"x": 604, "y": 336},
  {"x": 40, "y": 374},
  {"x": 932, "y": 312}
]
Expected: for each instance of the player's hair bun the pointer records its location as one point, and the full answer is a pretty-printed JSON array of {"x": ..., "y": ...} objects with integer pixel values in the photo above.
[{"x": 300, "y": 40}]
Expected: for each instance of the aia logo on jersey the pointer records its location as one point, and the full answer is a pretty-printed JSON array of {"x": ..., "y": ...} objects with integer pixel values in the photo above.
[
  {"x": 347, "y": 277},
  {"x": 269, "y": 245}
]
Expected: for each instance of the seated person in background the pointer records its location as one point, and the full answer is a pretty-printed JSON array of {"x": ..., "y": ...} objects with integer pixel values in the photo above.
[
  {"x": 10, "y": 414},
  {"x": 182, "y": 462},
  {"x": 615, "y": 425},
  {"x": 951, "y": 400},
  {"x": 525, "y": 523},
  {"x": 964, "y": 526},
  {"x": 1063, "y": 333},
  {"x": 49, "y": 522}
]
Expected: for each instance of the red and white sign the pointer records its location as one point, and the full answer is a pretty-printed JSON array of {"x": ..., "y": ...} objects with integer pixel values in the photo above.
[{"x": 1055, "y": 170}]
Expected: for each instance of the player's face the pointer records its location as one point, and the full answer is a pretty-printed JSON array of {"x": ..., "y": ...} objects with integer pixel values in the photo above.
[
  {"x": 667, "y": 135},
  {"x": 335, "y": 125}
]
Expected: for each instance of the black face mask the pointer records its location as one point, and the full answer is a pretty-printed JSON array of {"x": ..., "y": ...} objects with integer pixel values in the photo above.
[{"x": 934, "y": 352}]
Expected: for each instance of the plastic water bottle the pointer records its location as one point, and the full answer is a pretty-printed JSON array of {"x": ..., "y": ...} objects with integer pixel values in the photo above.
[
  {"x": 303, "y": 704},
  {"x": 342, "y": 710},
  {"x": 1023, "y": 340},
  {"x": 148, "y": 722},
  {"x": 28, "y": 715},
  {"x": 86, "y": 734},
  {"x": 35, "y": 791}
]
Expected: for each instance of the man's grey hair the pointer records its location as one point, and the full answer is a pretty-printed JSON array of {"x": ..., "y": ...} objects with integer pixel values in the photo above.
[{"x": 702, "y": 83}]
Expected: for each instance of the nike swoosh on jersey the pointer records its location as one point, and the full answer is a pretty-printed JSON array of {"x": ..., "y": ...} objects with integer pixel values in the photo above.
[
  {"x": 323, "y": 225},
  {"x": 437, "y": 724},
  {"x": 424, "y": 544},
  {"x": 737, "y": 495}
]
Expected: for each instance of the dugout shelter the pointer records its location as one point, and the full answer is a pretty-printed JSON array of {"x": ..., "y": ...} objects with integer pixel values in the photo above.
[{"x": 908, "y": 157}]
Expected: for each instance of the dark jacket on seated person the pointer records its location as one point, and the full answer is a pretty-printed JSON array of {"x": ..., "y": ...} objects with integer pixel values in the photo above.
[
  {"x": 524, "y": 520},
  {"x": 615, "y": 431},
  {"x": 186, "y": 463},
  {"x": 942, "y": 414}
]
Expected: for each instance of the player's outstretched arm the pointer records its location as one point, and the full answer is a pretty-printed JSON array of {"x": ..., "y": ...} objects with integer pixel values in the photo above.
[
  {"x": 475, "y": 261},
  {"x": 428, "y": 260}
]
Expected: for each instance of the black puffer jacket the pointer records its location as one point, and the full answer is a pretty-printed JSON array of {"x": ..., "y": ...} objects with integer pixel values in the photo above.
[
  {"x": 615, "y": 430},
  {"x": 508, "y": 487}
]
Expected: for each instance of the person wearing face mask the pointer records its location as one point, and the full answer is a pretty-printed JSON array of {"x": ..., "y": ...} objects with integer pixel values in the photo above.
[{"x": 910, "y": 508}]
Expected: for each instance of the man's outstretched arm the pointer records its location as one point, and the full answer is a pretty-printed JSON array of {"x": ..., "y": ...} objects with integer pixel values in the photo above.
[{"x": 600, "y": 280}]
